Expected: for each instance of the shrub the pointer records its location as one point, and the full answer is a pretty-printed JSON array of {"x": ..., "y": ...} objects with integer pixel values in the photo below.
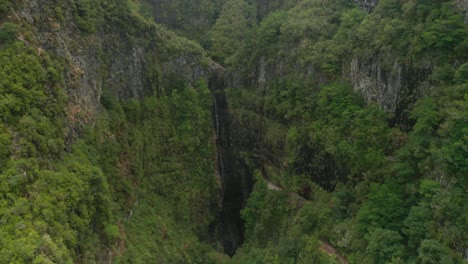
[{"x": 8, "y": 31}]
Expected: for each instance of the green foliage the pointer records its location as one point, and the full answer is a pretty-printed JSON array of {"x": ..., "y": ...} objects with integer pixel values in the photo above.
[
  {"x": 432, "y": 251},
  {"x": 383, "y": 246},
  {"x": 173, "y": 172},
  {"x": 22, "y": 78},
  {"x": 68, "y": 200},
  {"x": 385, "y": 207},
  {"x": 56, "y": 211},
  {"x": 4, "y": 6},
  {"x": 5, "y": 145},
  {"x": 8, "y": 33},
  {"x": 229, "y": 31},
  {"x": 62, "y": 202},
  {"x": 291, "y": 100},
  {"x": 461, "y": 75},
  {"x": 85, "y": 15},
  {"x": 399, "y": 189},
  {"x": 389, "y": 8},
  {"x": 417, "y": 224},
  {"x": 401, "y": 186},
  {"x": 191, "y": 19},
  {"x": 312, "y": 19},
  {"x": 266, "y": 41},
  {"x": 153, "y": 236},
  {"x": 444, "y": 35},
  {"x": 282, "y": 227},
  {"x": 140, "y": 183},
  {"x": 264, "y": 215}
]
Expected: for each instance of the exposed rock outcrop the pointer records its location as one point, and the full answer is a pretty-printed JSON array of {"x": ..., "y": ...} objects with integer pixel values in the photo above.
[
  {"x": 367, "y": 5},
  {"x": 129, "y": 65},
  {"x": 463, "y": 5},
  {"x": 377, "y": 84},
  {"x": 394, "y": 85}
]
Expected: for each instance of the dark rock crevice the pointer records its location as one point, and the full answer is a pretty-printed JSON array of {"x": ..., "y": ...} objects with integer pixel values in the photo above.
[{"x": 236, "y": 176}]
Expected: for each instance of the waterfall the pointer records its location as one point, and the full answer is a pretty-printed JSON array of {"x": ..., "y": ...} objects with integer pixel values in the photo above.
[
  {"x": 233, "y": 171},
  {"x": 218, "y": 140}
]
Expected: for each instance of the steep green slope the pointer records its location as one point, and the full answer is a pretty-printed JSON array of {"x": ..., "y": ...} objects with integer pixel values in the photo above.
[
  {"x": 107, "y": 146},
  {"x": 112, "y": 148},
  {"x": 363, "y": 114},
  {"x": 366, "y": 181}
]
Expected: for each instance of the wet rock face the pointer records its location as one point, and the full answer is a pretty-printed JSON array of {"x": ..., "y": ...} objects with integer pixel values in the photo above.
[{"x": 236, "y": 175}]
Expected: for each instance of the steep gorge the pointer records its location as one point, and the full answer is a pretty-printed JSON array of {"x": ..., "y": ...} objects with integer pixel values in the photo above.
[
  {"x": 325, "y": 114},
  {"x": 123, "y": 142}
]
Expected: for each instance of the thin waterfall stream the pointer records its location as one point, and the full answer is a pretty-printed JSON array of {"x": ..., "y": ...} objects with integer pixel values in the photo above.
[
  {"x": 236, "y": 177},
  {"x": 218, "y": 143}
]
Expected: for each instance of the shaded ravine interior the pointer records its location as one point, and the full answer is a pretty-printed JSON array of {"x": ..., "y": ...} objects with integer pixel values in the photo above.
[{"x": 236, "y": 176}]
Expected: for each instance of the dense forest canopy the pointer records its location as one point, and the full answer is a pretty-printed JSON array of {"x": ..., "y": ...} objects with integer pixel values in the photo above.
[{"x": 336, "y": 129}]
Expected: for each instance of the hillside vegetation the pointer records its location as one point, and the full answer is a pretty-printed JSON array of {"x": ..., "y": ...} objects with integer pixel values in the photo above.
[
  {"x": 385, "y": 170},
  {"x": 110, "y": 149}
]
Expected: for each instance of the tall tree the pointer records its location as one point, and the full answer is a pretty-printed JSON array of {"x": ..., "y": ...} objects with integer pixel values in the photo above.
[{"x": 230, "y": 29}]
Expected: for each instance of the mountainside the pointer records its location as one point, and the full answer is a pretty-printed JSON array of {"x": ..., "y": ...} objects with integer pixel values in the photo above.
[
  {"x": 102, "y": 111},
  {"x": 363, "y": 112},
  {"x": 233, "y": 131}
]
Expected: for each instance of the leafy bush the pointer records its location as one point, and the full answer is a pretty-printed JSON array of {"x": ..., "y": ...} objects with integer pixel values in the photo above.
[
  {"x": 4, "y": 6},
  {"x": 8, "y": 33},
  {"x": 85, "y": 15}
]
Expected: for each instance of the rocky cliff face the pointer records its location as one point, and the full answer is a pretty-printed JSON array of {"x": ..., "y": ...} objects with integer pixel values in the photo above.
[
  {"x": 463, "y": 5},
  {"x": 376, "y": 83},
  {"x": 129, "y": 65},
  {"x": 368, "y": 5},
  {"x": 395, "y": 86}
]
